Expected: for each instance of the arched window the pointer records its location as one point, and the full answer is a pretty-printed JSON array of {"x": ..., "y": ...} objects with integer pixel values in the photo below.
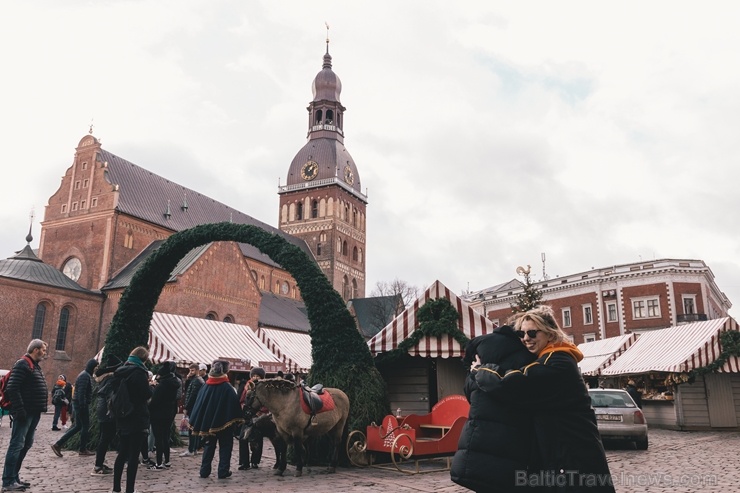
[
  {"x": 346, "y": 212},
  {"x": 314, "y": 209},
  {"x": 319, "y": 115},
  {"x": 354, "y": 254},
  {"x": 345, "y": 288},
  {"x": 318, "y": 249},
  {"x": 344, "y": 248},
  {"x": 360, "y": 259},
  {"x": 211, "y": 316},
  {"x": 229, "y": 319},
  {"x": 128, "y": 242},
  {"x": 38, "y": 321},
  {"x": 63, "y": 326},
  {"x": 262, "y": 283},
  {"x": 354, "y": 288},
  {"x": 329, "y": 117},
  {"x": 299, "y": 211}
]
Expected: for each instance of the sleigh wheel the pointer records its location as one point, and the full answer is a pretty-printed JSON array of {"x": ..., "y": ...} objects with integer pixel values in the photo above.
[
  {"x": 357, "y": 449},
  {"x": 402, "y": 450}
]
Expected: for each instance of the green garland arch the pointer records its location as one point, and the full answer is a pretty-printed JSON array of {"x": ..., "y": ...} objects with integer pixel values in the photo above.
[
  {"x": 341, "y": 358},
  {"x": 437, "y": 317},
  {"x": 730, "y": 342}
]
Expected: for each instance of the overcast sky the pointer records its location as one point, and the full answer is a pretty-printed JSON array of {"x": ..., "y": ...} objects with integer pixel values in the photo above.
[{"x": 485, "y": 133}]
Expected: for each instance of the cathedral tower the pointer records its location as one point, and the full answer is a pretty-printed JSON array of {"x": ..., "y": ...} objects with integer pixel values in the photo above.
[{"x": 322, "y": 201}]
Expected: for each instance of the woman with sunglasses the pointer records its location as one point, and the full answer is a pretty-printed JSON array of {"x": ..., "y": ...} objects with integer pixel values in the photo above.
[{"x": 569, "y": 455}]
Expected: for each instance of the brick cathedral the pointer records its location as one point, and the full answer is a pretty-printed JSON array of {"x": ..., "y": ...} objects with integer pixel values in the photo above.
[{"x": 109, "y": 215}]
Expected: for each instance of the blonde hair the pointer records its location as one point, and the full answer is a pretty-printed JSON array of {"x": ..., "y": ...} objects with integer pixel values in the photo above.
[
  {"x": 140, "y": 352},
  {"x": 543, "y": 318}
]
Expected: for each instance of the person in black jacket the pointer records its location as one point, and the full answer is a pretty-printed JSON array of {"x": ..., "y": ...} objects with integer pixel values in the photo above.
[
  {"x": 132, "y": 429},
  {"x": 162, "y": 411},
  {"x": 27, "y": 392},
  {"x": 106, "y": 422},
  {"x": 193, "y": 384},
  {"x": 634, "y": 393},
  {"x": 81, "y": 408},
  {"x": 496, "y": 440},
  {"x": 569, "y": 455}
]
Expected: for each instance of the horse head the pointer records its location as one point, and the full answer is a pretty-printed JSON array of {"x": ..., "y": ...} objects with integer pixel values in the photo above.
[{"x": 269, "y": 390}]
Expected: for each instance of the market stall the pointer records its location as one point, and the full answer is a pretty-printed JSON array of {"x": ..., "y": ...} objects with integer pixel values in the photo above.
[
  {"x": 430, "y": 368},
  {"x": 597, "y": 355},
  {"x": 689, "y": 374}
]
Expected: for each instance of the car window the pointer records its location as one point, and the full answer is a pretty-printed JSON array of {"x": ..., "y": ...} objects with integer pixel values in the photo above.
[{"x": 611, "y": 399}]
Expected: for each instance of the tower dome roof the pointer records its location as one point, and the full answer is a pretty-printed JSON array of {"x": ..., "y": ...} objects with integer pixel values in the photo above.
[{"x": 326, "y": 85}]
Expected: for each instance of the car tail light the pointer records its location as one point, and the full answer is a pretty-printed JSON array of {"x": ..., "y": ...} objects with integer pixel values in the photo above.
[{"x": 639, "y": 418}]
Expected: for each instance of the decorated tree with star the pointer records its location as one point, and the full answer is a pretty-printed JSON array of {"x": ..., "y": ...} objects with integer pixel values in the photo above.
[{"x": 530, "y": 297}]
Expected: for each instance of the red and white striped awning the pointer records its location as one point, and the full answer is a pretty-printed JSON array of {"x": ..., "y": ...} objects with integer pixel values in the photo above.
[
  {"x": 187, "y": 340},
  {"x": 470, "y": 322},
  {"x": 292, "y": 348},
  {"x": 676, "y": 349},
  {"x": 597, "y": 355}
]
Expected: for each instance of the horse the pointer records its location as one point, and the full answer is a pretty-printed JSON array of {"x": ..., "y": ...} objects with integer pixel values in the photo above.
[{"x": 283, "y": 399}]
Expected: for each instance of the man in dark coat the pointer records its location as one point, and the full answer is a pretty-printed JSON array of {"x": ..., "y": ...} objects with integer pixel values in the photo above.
[
  {"x": 81, "y": 408},
  {"x": 27, "y": 391},
  {"x": 214, "y": 415},
  {"x": 162, "y": 411},
  {"x": 132, "y": 429},
  {"x": 193, "y": 383},
  {"x": 496, "y": 441},
  {"x": 106, "y": 422}
]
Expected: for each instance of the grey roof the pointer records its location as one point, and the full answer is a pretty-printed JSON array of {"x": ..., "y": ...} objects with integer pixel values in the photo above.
[
  {"x": 123, "y": 277},
  {"x": 332, "y": 157},
  {"x": 148, "y": 196},
  {"x": 283, "y": 313},
  {"x": 375, "y": 312},
  {"x": 26, "y": 266},
  {"x": 498, "y": 288}
]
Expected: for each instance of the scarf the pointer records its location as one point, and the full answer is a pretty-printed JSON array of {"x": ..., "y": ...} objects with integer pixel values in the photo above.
[
  {"x": 136, "y": 361},
  {"x": 217, "y": 380},
  {"x": 61, "y": 383},
  {"x": 564, "y": 347}
]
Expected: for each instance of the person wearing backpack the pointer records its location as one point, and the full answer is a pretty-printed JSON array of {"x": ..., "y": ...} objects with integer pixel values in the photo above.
[
  {"x": 81, "y": 407},
  {"x": 106, "y": 423},
  {"x": 59, "y": 400},
  {"x": 132, "y": 421},
  {"x": 27, "y": 392}
]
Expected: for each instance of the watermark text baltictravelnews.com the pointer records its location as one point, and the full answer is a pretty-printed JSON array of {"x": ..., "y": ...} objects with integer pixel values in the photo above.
[{"x": 574, "y": 478}]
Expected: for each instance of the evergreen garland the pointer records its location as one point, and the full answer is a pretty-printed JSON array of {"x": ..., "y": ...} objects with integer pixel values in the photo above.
[
  {"x": 730, "y": 343},
  {"x": 436, "y": 318},
  {"x": 341, "y": 358}
]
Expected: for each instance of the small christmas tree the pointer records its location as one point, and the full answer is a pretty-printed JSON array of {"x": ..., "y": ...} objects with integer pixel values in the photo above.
[{"x": 530, "y": 297}]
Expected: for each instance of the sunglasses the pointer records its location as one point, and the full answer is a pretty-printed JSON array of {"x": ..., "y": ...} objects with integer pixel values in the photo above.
[{"x": 532, "y": 333}]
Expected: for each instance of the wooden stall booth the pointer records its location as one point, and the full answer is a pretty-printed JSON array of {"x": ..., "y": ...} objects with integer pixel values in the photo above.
[
  {"x": 667, "y": 365},
  {"x": 432, "y": 368}
]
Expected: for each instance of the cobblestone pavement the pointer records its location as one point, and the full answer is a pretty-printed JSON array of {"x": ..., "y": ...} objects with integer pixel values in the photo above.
[{"x": 676, "y": 462}]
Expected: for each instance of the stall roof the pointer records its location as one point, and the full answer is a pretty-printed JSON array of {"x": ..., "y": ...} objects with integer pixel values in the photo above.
[
  {"x": 470, "y": 322},
  {"x": 597, "y": 355},
  {"x": 676, "y": 349},
  {"x": 187, "y": 340},
  {"x": 291, "y": 347}
]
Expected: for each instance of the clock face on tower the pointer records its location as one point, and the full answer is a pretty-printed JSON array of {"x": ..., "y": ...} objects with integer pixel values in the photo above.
[
  {"x": 349, "y": 177},
  {"x": 72, "y": 268},
  {"x": 310, "y": 170}
]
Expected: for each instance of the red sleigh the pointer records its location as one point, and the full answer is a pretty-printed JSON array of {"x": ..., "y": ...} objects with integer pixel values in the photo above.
[{"x": 411, "y": 439}]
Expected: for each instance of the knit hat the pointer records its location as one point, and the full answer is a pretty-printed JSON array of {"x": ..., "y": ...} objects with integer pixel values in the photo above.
[
  {"x": 257, "y": 371},
  {"x": 62, "y": 377},
  {"x": 219, "y": 368}
]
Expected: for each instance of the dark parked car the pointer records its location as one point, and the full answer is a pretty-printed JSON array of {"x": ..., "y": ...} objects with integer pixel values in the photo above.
[{"x": 618, "y": 417}]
